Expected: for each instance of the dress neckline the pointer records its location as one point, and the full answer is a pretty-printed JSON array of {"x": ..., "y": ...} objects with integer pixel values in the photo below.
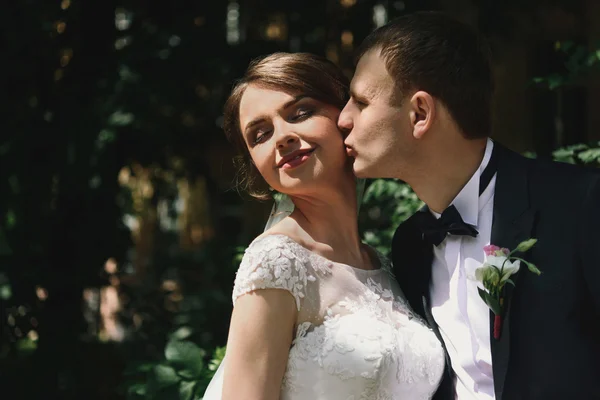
[{"x": 383, "y": 262}]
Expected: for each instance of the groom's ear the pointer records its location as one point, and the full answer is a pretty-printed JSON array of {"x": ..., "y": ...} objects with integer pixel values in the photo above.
[{"x": 422, "y": 113}]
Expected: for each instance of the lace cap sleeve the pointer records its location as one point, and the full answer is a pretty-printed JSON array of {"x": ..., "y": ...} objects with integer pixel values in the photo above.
[{"x": 272, "y": 263}]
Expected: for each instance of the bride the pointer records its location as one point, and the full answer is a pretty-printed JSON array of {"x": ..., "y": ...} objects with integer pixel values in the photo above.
[{"x": 317, "y": 314}]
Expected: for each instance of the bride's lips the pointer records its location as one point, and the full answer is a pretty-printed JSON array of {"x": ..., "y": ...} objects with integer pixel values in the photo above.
[{"x": 295, "y": 158}]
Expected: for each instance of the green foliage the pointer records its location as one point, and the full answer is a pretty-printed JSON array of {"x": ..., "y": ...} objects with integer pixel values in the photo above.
[
  {"x": 579, "y": 61},
  {"x": 579, "y": 154},
  {"x": 386, "y": 204},
  {"x": 182, "y": 375}
]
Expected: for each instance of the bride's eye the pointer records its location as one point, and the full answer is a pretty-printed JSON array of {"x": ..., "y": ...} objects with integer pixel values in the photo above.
[
  {"x": 301, "y": 113},
  {"x": 260, "y": 136}
]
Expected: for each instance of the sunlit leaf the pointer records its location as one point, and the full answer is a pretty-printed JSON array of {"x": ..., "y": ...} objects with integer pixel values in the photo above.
[
  {"x": 26, "y": 346},
  {"x": 186, "y": 357},
  {"x": 5, "y": 291},
  {"x": 590, "y": 155},
  {"x": 119, "y": 118},
  {"x": 160, "y": 378},
  {"x": 186, "y": 390},
  {"x": 182, "y": 333},
  {"x": 11, "y": 219},
  {"x": 107, "y": 136},
  {"x": 217, "y": 358},
  {"x": 137, "y": 388}
]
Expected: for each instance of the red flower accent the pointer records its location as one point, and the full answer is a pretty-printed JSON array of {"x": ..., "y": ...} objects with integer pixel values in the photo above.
[{"x": 497, "y": 326}]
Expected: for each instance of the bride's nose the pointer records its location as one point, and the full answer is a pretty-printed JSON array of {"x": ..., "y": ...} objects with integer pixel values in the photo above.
[{"x": 285, "y": 138}]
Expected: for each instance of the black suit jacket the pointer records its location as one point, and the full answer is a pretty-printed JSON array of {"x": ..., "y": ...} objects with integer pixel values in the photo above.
[{"x": 550, "y": 343}]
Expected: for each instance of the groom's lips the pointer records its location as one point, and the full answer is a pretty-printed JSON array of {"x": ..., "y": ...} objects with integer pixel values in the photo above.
[{"x": 350, "y": 152}]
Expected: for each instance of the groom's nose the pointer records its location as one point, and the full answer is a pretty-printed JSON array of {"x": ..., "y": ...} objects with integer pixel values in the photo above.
[{"x": 345, "y": 121}]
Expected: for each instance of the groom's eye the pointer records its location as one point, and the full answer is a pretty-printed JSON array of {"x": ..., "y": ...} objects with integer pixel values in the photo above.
[{"x": 360, "y": 103}]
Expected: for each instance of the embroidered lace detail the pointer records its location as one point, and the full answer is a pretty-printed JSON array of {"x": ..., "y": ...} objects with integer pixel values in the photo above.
[
  {"x": 356, "y": 337},
  {"x": 269, "y": 264}
]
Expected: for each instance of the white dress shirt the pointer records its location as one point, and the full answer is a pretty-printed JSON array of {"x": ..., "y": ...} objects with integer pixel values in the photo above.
[{"x": 462, "y": 316}]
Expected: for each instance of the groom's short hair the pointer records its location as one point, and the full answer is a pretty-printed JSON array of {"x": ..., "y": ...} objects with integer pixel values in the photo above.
[{"x": 433, "y": 52}]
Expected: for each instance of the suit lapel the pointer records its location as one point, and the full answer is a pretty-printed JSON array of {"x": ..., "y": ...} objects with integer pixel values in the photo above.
[{"x": 512, "y": 223}]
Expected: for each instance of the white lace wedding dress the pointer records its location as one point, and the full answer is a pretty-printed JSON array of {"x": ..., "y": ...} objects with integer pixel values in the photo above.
[{"x": 355, "y": 338}]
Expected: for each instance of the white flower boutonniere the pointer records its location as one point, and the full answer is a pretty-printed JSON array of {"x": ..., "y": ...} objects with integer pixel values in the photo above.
[{"x": 500, "y": 264}]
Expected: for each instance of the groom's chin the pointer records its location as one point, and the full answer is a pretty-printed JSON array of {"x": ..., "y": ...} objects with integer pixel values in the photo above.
[{"x": 358, "y": 171}]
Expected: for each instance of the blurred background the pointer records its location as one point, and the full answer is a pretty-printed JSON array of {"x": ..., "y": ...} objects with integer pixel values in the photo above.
[{"x": 120, "y": 233}]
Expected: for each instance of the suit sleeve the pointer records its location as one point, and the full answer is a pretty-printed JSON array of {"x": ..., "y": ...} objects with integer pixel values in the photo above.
[{"x": 590, "y": 240}]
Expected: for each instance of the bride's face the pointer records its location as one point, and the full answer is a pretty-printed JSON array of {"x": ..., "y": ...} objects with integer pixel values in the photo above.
[{"x": 293, "y": 140}]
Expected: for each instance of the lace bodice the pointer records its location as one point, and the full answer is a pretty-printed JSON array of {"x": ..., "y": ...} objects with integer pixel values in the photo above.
[{"x": 355, "y": 337}]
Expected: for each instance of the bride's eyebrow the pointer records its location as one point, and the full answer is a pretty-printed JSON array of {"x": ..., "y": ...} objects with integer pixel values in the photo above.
[{"x": 261, "y": 119}]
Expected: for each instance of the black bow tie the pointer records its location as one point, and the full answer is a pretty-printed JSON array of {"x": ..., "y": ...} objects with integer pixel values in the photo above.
[
  {"x": 450, "y": 222},
  {"x": 435, "y": 230}
]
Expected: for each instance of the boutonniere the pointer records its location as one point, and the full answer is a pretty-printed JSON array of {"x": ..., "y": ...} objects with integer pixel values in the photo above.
[{"x": 500, "y": 264}]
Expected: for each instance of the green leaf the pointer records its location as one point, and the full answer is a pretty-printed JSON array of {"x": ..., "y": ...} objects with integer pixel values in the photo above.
[
  {"x": 510, "y": 281},
  {"x": 138, "y": 367},
  {"x": 186, "y": 390},
  {"x": 555, "y": 81},
  {"x": 590, "y": 155},
  {"x": 526, "y": 245},
  {"x": 217, "y": 358},
  {"x": 182, "y": 333},
  {"x": 161, "y": 377},
  {"x": 11, "y": 219},
  {"x": 137, "y": 388},
  {"x": 119, "y": 118},
  {"x": 185, "y": 357},
  {"x": 493, "y": 303},
  {"x": 5, "y": 292}
]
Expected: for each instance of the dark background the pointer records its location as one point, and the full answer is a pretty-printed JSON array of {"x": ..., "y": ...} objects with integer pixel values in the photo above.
[{"x": 119, "y": 231}]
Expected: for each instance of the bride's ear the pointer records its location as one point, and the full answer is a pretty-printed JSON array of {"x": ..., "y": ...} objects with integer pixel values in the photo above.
[{"x": 422, "y": 113}]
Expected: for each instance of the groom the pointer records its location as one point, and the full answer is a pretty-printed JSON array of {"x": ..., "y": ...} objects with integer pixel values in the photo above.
[{"x": 420, "y": 111}]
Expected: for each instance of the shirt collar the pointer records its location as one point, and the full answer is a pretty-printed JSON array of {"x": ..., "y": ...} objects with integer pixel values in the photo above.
[{"x": 467, "y": 200}]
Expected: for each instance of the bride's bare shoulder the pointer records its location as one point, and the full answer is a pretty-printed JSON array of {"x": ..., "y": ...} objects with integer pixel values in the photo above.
[{"x": 289, "y": 227}]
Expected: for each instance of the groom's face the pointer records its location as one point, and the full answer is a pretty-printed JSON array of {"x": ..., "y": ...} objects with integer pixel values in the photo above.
[{"x": 377, "y": 125}]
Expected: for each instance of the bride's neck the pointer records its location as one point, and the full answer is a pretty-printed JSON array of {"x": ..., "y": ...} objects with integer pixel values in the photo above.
[{"x": 331, "y": 220}]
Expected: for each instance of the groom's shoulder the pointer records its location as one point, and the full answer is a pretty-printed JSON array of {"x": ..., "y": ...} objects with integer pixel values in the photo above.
[
  {"x": 547, "y": 171},
  {"x": 552, "y": 172}
]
